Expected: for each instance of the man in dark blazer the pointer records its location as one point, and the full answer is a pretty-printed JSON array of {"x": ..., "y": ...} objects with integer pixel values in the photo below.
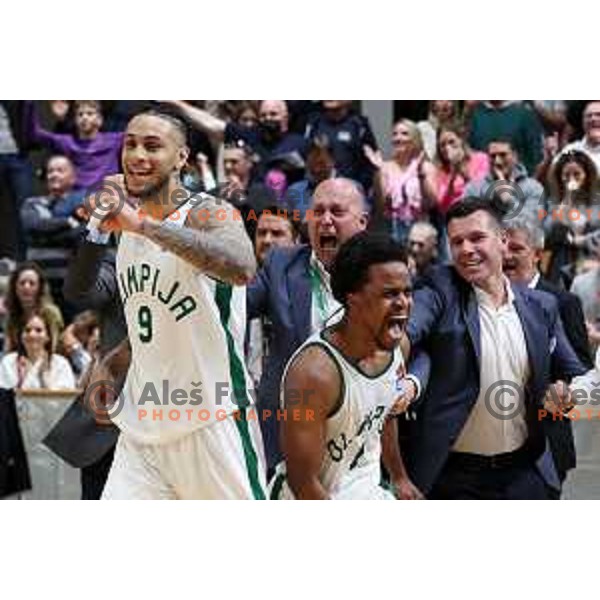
[
  {"x": 91, "y": 284},
  {"x": 487, "y": 341},
  {"x": 292, "y": 280},
  {"x": 524, "y": 248}
]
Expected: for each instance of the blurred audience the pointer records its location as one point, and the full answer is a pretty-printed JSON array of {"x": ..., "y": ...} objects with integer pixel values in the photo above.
[
  {"x": 405, "y": 188},
  {"x": 29, "y": 292},
  {"x": 514, "y": 121},
  {"x": 34, "y": 365},
  {"x": 441, "y": 113}
]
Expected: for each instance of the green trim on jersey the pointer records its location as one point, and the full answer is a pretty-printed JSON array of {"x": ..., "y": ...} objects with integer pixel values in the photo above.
[
  {"x": 277, "y": 486},
  {"x": 223, "y": 293}
]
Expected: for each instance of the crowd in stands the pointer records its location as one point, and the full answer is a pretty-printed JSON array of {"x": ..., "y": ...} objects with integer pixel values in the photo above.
[{"x": 272, "y": 155}]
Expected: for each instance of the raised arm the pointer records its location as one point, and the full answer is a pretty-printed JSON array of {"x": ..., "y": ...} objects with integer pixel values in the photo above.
[
  {"x": 201, "y": 119},
  {"x": 312, "y": 385},
  {"x": 213, "y": 238}
]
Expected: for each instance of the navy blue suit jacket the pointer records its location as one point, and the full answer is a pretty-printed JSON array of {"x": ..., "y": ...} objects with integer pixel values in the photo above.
[{"x": 445, "y": 323}]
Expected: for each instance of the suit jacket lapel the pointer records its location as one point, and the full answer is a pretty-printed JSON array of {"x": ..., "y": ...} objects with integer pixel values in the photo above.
[
  {"x": 299, "y": 293},
  {"x": 471, "y": 317},
  {"x": 532, "y": 333}
]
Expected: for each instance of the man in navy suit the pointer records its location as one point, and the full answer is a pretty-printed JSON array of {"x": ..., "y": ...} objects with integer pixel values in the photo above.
[
  {"x": 495, "y": 351},
  {"x": 293, "y": 289}
]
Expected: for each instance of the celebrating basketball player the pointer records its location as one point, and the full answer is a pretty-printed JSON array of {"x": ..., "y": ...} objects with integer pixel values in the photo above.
[
  {"x": 342, "y": 383},
  {"x": 181, "y": 265}
]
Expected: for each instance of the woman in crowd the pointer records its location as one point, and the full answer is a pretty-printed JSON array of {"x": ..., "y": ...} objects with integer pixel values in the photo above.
[
  {"x": 34, "y": 365},
  {"x": 441, "y": 112},
  {"x": 572, "y": 224},
  {"x": 28, "y": 292},
  {"x": 457, "y": 165},
  {"x": 404, "y": 187}
]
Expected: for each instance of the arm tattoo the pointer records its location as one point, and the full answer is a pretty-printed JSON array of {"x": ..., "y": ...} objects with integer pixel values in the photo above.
[{"x": 217, "y": 246}]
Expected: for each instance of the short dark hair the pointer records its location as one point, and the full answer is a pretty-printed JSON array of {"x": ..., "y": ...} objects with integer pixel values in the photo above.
[
  {"x": 502, "y": 140},
  {"x": 177, "y": 123},
  {"x": 469, "y": 205},
  {"x": 351, "y": 266}
]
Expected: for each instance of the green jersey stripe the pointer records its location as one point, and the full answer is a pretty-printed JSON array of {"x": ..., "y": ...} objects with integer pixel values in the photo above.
[{"x": 223, "y": 293}]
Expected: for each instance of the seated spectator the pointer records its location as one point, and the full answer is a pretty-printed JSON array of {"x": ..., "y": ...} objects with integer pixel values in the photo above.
[
  {"x": 422, "y": 246},
  {"x": 573, "y": 218},
  {"x": 34, "y": 365},
  {"x": 505, "y": 167},
  {"x": 513, "y": 121},
  {"x": 95, "y": 154},
  {"x": 405, "y": 187},
  {"x": 319, "y": 167},
  {"x": 29, "y": 292},
  {"x": 347, "y": 133},
  {"x": 457, "y": 165},
  {"x": 80, "y": 341},
  {"x": 52, "y": 223},
  {"x": 270, "y": 140},
  {"x": 441, "y": 113}
]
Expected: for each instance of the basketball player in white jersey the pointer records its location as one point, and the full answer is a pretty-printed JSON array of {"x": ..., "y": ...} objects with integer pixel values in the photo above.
[
  {"x": 181, "y": 263},
  {"x": 343, "y": 384}
]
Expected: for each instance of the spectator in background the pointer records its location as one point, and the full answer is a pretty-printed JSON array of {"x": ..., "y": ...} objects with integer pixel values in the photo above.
[
  {"x": 242, "y": 192},
  {"x": 80, "y": 341},
  {"x": 405, "y": 188},
  {"x": 505, "y": 167},
  {"x": 320, "y": 166},
  {"x": 441, "y": 113},
  {"x": 590, "y": 143},
  {"x": 457, "y": 165},
  {"x": 422, "y": 246},
  {"x": 95, "y": 154},
  {"x": 52, "y": 223},
  {"x": 586, "y": 286},
  {"x": 522, "y": 257},
  {"x": 34, "y": 365},
  {"x": 347, "y": 133},
  {"x": 270, "y": 140},
  {"x": 514, "y": 121},
  {"x": 28, "y": 293},
  {"x": 247, "y": 114},
  {"x": 573, "y": 215},
  {"x": 16, "y": 176}
]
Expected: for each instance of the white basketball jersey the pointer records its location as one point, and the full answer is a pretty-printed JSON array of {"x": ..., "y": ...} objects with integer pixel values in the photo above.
[
  {"x": 186, "y": 332},
  {"x": 351, "y": 463}
]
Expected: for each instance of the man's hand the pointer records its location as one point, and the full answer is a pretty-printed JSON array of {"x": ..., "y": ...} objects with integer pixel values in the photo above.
[
  {"x": 558, "y": 398},
  {"x": 593, "y": 332},
  {"x": 407, "y": 490},
  {"x": 407, "y": 396}
]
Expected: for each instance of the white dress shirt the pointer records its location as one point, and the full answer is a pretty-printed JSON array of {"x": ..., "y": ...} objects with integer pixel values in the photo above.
[{"x": 503, "y": 358}]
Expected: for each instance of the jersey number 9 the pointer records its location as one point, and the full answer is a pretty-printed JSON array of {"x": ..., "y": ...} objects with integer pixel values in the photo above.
[{"x": 145, "y": 323}]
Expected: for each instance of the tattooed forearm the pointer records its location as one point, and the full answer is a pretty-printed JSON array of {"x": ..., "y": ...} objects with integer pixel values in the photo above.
[{"x": 223, "y": 251}]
